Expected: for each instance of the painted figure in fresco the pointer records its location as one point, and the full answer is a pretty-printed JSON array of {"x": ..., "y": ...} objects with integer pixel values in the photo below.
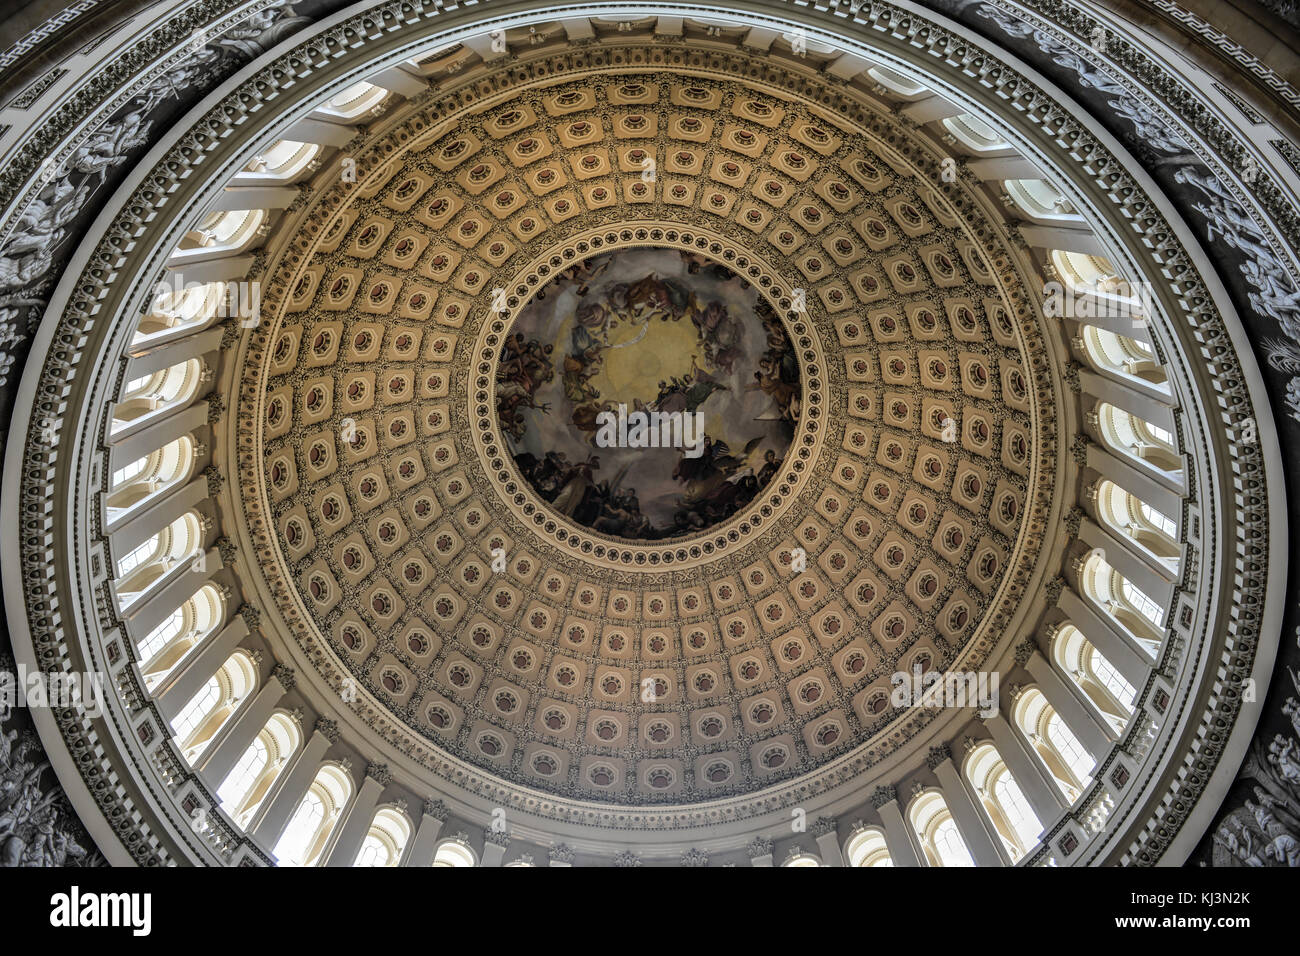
[{"x": 567, "y": 361}]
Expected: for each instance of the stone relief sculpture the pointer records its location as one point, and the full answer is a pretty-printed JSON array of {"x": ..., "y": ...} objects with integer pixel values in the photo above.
[
  {"x": 1264, "y": 831},
  {"x": 37, "y": 827},
  {"x": 29, "y": 254},
  {"x": 29, "y": 820},
  {"x": 1276, "y": 294}
]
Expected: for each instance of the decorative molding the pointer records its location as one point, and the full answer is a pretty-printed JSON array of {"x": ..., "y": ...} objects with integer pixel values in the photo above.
[{"x": 39, "y": 603}]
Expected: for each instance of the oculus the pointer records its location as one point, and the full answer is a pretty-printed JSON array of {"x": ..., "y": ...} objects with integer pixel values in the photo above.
[{"x": 633, "y": 338}]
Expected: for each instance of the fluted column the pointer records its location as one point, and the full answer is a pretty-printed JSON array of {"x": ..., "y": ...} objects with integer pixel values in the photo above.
[
  {"x": 297, "y": 780},
  {"x": 200, "y": 265},
  {"x": 222, "y": 757},
  {"x": 899, "y": 838},
  {"x": 1043, "y": 795},
  {"x": 321, "y": 132},
  {"x": 355, "y": 826},
  {"x": 238, "y": 198},
  {"x": 1102, "y": 313},
  {"x": 426, "y": 835},
  {"x": 400, "y": 81},
  {"x": 1095, "y": 736},
  {"x": 972, "y": 822},
  {"x": 189, "y": 677}
]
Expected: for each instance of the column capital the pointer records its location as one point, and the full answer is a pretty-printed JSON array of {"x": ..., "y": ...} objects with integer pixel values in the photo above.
[
  {"x": 883, "y": 794},
  {"x": 215, "y": 480},
  {"x": 328, "y": 728},
  {"x": 694, "y": 857},
  {"x": 379, "y": 773},
  {"x": 1079, "y": 449},
  {"x": 251, "y": 615},
  {"x": 938, "y": 755},
  {"x": 759, "y": 846},
  {"x": 285, "y": 675},
  {"x": 1025, "y": 650},
  {"x": 1052, "y": 589},
  {"x": 561, "y": 853},
  {"x": 823, "y": 825}
]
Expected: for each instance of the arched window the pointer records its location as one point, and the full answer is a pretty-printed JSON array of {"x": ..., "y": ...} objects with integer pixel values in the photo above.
[
  {"x": 199, "y": 706},
  {"x": 208, "y": 711},
  {"x": 1055, "y": 744},
  {"x": 231, "y": 230},
  {"x": 1081, "y": 272},
  {"x": 149, "y": 561},
  {"x": 1094, "y": 675},
  {"x": 1138, "y": 601},
  {"x": 281, "y": 162},
  {"x": 144, "y": 479},
  {"x": 246, "y": 786},
  {"x": 150, "y": 395},
  {"x": 1040, "y": 200},
  {"x": 867, "y": 848},
  {"x": 128, "y": 472},
  {"x": 171, "y": 641},
  {"x": 1122, "y": 357},
  {"x": 1062, "y": 738},
  {"x": 454, "y": 853},
  {"x": 1104, "y": 674},
  {"x": 799, "y": 857},
  {"x": 246, "y": 773},
  {"x": 304, "y": 839},
  {"x": 1138, "y": 439},
  {"x": 1002, "y": 800},
  {"x": 179, "y": 309},
  {"x": 386, "y": 839},
  {"x": 355, "y": 100},
  {"x": 1131, "y": 518},
  {"x": 1133, "y": 610},
  {"x": 937, "y": 831},
  {"x": 974, "y": 133},
  {"x": 895, "y": 82}
]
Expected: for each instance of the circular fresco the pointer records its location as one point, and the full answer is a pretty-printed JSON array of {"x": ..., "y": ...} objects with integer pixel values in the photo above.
[{"x": 648, "y": 393}]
